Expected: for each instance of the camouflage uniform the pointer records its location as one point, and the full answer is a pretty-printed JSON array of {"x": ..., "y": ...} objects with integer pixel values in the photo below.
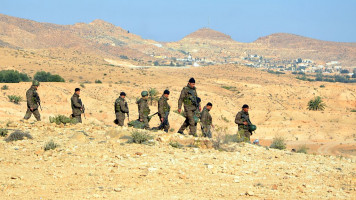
[
  {"x": 241, "y": 117},
  {"x": 32, "y": 102},
  {"x": 77, "y": 105},
  {"x": 120, "y": 109},
  {"x": 187, "y": 96},
  {"x": 163, "y": 112},
  {"x": 143, "y": 111},
  {"x": 206, "y": 121}
]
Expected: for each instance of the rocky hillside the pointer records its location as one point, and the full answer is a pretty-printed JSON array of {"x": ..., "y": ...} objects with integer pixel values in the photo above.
[{"x": 94, "y": 162}]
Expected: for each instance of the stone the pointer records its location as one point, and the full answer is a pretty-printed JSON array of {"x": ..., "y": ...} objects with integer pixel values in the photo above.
[
  {"x": 249, "y": 193},
  {"x": 138, "y": 153}
]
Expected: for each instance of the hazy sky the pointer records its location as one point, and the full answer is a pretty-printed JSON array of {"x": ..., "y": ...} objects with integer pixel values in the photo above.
[{"x": 171, "y": 20}]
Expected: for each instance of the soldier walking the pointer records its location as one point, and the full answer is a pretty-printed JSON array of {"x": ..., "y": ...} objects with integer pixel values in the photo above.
[
  {"x": 77, "y": 105},
  {"x": 143, "y": 109},
  {"x": 33, "y": 101},
  {"x": 121, "y": 108},
  {"x": 163, "y": 111},
  {"x": 242, "y": 119},
  {"x": 206, "y": 120},
  {"x": 191, "y": 101}
]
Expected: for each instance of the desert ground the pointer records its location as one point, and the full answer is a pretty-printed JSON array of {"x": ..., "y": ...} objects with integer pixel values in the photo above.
[{"x": 95, "y": 160}]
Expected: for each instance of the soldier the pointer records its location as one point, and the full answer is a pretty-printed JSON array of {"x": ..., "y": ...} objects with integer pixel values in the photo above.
[
  {"x": 191, "y": 102},
  {"x": 121, "y": 108},
  {"x": 242, "y": 119},
  {"x": 163, "y": 111},
  {"x": 33, "y": 101},
  {"x": 206, "y": 120},
  {"x": 77, "y": 105},
  {"x": 143, "y": 109}
]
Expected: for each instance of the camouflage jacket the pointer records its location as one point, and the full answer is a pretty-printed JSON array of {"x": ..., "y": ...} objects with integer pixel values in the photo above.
[
  {"x": 163, "y": 106},
  {"x": 143, "y": 109},
  {"x": 188, "y": 96},
  {"x": 121, "y": 106},
  {"x": 242, "y": 117},
  {"x": 76, "y": 104},
  {"x": 32, "y": 98},
  {"x": 206, "y": 119}
]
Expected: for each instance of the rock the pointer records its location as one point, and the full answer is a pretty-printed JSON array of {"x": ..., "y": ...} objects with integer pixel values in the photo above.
[
  {"x": 117, "y": 189},
  {"x": 274, "y": 187},
  {"x": 249, "y": 193},
  {"x": 210, "y": 166},
  {"x": 152, "y": 169},
  {"x": 138, "y": 153},
  {"x": 237, "y": 179}
]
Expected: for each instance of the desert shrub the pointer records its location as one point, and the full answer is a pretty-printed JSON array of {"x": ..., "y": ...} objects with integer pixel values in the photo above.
[
  {"x": 43, "y": 76},
  {"x": 98, "y": 81},
  {"x": 175, "y": 144},
  {"x": 50, "y": 145},
  {"x": 171, "y": 130},
  {"x": 316, "y": 104},
  {"x": 225, "y": 119},
  {"x": 152, "y": 93},
  {"x": 15, "y": 99},
  {"x": 124, "y": 57},
  {"x": 322, "y": 86},
  {"x": 4, "y": 87},
  {"x": 353, "y": 110},
  {"x": 12, "y": 76},
  {"x": 231, "y": 88},
  {"x": 3, "y": 132},
  {"x": 18, "y": 135},
  {"x": 82, "y": 85},
  {"x": 278, "y": 143},
  {"x": 140, "y": 137},
  {"x": 302, "y": 149},
  {"x": 61, "y": 119}
]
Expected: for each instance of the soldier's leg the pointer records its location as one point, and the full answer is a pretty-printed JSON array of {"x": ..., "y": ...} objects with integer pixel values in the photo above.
[
  {"x": 209, "y": 135},
  {"x": 185, "y": 123},
  {"x": 192, "y": 124},
  {"x": 247, "y": 135},
  {"x": 121, "y": 119},
  {"x": 203, "y": 130},
  {"x": 28, "y": 114},
  {"x": 145, "y": 121},
  {"x": 37, "y": 115},
  {"x": 166, "y": 127}
]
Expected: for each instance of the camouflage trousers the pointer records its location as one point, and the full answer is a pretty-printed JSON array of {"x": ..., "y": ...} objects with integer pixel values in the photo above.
[
  {"x": 164, "y": 126},
  {"x": 120, "y": 118},
  {"x": 78, "y": 118},
  {"x": 189, "y": 121},
  {"x": 206, "y": 131},
  {"x": 35, "y": 112},
  {"x": 243, "y": 133}
]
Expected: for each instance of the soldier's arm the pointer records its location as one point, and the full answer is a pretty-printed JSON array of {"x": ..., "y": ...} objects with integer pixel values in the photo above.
[
  {"x": 181, "y": 98},
  {"x": 238, "y": 119},
  {"x": 123, "y": 107},
  {"x": 75, "y": 102},
  {"x": 203, "y": 117},
  {"x": 29, "y": 97}
]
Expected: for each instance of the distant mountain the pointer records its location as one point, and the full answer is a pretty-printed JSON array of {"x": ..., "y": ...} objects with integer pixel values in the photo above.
[{"x": 108, "y": 40}]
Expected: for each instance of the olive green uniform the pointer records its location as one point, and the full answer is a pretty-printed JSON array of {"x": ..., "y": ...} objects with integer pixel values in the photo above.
[
  {"x": 121, "y": 108},
  {"x": 163, "y": 112},
  {"x": 189, "y": 96},
  {"x": 77, "y": 105},
  {"x": 240, "y": 118},
  {"x": 206, "y": 121},
  {"x": 32, "y": 102},
  {"x": 143, "y": 111}
]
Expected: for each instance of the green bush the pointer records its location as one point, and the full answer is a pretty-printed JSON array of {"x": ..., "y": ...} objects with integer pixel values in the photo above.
[
  {"x": 3, "y": 132},
  {"x": 15, "y": 99},
  {"x": 322, "y": 86},
  {"x": 61, "y": 119},
  {"x": 50, "y": 145},
  {"x": 18, "y": 135},
  {"x": 302, "y": 149},
  {"x": 12, "y": 76},
  {"x": 4, "y": 87},
  {"x": 353, "y": 110},
  {"x": 278, "y": 143},
  {"x": 316, "y": 104},
  {"x": 43, "y": 76},
  {"x": 140, "y": 137},
  {"x": 175, "y": 144},
  {"x": 82, "y": 85},
  {"x": 98, "y": 81},
  {"x": 231, "y": 88},
  {"x": 152, "y": 93}
]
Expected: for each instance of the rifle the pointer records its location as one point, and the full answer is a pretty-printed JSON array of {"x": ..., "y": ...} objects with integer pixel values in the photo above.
[
  {"x": 38, "y": 100},
  {"x": 83, "y": 110},
  {"x": 128, "y": 116},
  {"x": 150, "y": 117}
]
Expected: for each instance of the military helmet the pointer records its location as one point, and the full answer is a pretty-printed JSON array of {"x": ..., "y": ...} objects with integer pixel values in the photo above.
[
  {"x": 35, "y": 83},
  {"x": 144, "y": 93},
  {"x": 252, "y": 127}
]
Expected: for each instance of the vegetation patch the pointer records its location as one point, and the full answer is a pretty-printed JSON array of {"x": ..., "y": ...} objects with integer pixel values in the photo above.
[
  {"x": 12, "y": 76},
  {"x": 43, "y": 76},
  {"x": 4, "y": 87},
  {"x": 50, "y": 145},
  {"x": 61, "y": 119},
  {"x": 302, "y": 149},
  {"x": 15, "y": 99},
  {"x": 316, "y": 104},
  {"x": 139, "y": 137},
  {"x": 278, "y": 143},
  {"x": 3, "y": 132},
  {"x": 176, "y": 144},
  {"x": 18, "y": 135}
]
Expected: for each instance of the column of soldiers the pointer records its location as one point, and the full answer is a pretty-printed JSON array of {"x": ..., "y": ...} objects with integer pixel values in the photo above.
[{"x": 188, "y": 99}]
